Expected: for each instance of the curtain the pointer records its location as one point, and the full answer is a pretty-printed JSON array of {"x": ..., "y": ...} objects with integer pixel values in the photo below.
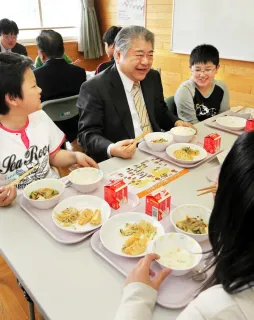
[{"x": 89, "y": 35}]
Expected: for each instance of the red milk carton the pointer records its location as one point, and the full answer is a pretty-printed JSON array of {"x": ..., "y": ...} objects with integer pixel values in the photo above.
[
  {"x": 212, "y": 142},
  {"x": 158, "y": 204},
  {"x": 116, "y": 193},
  {"x": 249, "y": 125}
]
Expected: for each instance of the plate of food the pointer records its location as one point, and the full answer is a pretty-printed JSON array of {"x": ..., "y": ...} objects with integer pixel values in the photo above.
[
  {"x": 81, "y": 213},
  {"x": 130, "y": 234},
  {"x": 231, "y": 123},
  {"x": 187, "y": 153}
]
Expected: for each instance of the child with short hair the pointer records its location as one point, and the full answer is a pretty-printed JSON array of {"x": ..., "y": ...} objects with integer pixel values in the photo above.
[
  {"x": 28, "y": 136},
  {"x": 202, "y": 96}
]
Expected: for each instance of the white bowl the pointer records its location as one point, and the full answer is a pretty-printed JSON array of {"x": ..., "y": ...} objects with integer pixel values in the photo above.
[
  {"x": 193, "y": 211},
  {"x": 86, "y": 179},
  {"x": 182, "y": 134},
  {"x": 158, "y": 146},
  {"x": 55, "y": 184},
  {"x": 176, "y": 146},
  {"x": 176, "y": 242},
  {"x": 231, "y": 123}
]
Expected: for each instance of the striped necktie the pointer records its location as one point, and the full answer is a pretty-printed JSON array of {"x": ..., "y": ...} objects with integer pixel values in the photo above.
[{"x": 141, "y": 108}]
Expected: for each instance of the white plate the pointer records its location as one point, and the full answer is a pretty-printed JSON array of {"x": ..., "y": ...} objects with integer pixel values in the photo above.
[
  {"x": 82, "y": 202},
  {"x": 112, "y": 239},
  {"x": 173, "y": 147},
  {"x": 232, "y": 123}
]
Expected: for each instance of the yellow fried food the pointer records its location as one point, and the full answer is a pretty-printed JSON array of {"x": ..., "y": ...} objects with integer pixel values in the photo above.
[
  {"x": 96, "y": 219},
  {"x": 134, "y": 246},
  {"x": 143, "y": 228},
  {"x": 85, "y": 216}
]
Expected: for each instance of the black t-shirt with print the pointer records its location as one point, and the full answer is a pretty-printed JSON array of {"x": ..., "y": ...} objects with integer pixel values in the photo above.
[{"x": 208, "y": 107}]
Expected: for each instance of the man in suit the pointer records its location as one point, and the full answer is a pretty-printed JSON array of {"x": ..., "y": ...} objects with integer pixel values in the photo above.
[
  {"x": 8, "y": 37},
  {"x": 57, "y": 78},
  {"x": 125, "y": 100}
]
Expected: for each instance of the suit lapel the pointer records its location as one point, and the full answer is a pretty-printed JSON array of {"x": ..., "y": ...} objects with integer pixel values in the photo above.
[{"x": 120, "y": 102}]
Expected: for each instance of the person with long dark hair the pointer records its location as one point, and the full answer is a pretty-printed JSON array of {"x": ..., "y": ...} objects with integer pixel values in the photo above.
[{"x": 228, "y": 294}]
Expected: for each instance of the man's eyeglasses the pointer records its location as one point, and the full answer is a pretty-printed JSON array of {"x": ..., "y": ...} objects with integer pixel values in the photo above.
[
  {"x": 10, "y": 36},
  {"x": 198, "y": 72}
]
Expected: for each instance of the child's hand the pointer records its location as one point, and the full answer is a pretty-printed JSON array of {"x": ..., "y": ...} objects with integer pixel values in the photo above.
[
  {"x": 84, "y": 161},
  {"x": 77, "y": 62},
  {"x": 141, "y": 273},
  {"x": 7, "y": 195}
]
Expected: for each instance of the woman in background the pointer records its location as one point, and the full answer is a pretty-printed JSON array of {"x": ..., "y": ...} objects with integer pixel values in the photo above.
[
  {"x": 108, "y": 40},
  {"x": 229, "y": 293}
]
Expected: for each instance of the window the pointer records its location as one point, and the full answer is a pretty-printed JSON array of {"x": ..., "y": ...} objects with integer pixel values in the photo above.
[{"x": 32, "y": 16}]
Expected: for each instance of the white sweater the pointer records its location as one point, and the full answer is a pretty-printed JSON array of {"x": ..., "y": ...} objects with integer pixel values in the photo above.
[{"x": 213, "y": 304}]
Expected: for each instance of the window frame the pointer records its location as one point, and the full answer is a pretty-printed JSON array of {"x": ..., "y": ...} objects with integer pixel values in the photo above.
[{"x": 33, "y": 41}]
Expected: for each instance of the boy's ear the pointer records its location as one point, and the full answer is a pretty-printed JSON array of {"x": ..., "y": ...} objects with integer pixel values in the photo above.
[
  {"x": 217, "y": 68},
  {"x": 11, "y": 101}
]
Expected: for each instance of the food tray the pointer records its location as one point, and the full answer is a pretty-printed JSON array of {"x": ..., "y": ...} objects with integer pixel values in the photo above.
[
  {"x": 175, "y": 292},
  {"x": 211, "y": 122},
  {"x": 44, "y": 217},
  {"x": 163, "y": 155}
]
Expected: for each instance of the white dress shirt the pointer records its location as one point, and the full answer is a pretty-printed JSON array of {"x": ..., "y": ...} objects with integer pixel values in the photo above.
[
  {"x": 128, "y": 84},
  {"x": 3, "y": 48}
]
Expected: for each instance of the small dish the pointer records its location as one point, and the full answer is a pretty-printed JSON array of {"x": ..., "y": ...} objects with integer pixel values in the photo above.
[
  {"x": 178, "y": 252},
  {"x": 192, "y": 211},
  {"x": 55, "y": 184},
  {"x": 150, "y": 139},
  {"x": 85, "y": 179},
  {"x": 182, "y": 134}
]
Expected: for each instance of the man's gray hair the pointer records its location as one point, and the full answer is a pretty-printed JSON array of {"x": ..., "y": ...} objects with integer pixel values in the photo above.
[{"x": 126, "y": 35}]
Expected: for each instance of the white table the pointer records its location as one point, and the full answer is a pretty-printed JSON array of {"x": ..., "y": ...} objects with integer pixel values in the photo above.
[{"x": 71, "y": 282}]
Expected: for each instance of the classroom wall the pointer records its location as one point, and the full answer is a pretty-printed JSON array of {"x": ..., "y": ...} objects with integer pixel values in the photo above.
[
  {"x": 238, "y": 75},
  {"x": 71, "y": 49}
]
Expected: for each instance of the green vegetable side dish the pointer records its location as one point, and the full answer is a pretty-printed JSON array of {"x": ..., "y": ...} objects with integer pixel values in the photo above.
[
  {"x": 193, "y": 225},
  {"x": 43, "y": 194}
]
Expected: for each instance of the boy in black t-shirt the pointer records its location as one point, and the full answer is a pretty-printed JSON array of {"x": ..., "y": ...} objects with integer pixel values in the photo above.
[{"x": 202, "y": 96}]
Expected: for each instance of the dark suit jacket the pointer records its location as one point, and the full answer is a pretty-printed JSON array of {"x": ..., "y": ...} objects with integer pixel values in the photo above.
[
  {"x": 18, "y": 48},
  {"x": 103, "y": 66},
  {"x": 58, "y": 79},
  {"x": 105, "y": 116}
]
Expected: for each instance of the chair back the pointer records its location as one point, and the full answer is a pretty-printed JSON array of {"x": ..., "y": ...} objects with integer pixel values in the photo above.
[
  {"x": 170, "y": 102},
  {"x": 61, "y": 109}
]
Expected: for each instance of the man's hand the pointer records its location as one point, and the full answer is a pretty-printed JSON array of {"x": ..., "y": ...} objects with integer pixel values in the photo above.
[
  {"x": 180, "y": 123},
  {"x": 84, "y": 161},
  {"x": 141, "y": 273},
  {"x": 7, "y": 195},
  {"x": 123, "y": 149}
]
